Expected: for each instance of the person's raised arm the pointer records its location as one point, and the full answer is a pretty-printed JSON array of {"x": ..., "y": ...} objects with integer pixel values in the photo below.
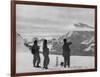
[
  {"x": 70, "y": 43},
  {"x": 27, "y": 45}
]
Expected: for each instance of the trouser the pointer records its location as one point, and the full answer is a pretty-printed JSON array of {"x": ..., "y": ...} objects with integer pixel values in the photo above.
[
  {"x": 67, "y": 61},
  {"x": 36, "y": 60},
  {"x": 46, "y": 61}
]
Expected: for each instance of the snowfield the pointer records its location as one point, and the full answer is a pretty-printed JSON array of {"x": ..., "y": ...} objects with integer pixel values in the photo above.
[{"x": 24, "y": 63}]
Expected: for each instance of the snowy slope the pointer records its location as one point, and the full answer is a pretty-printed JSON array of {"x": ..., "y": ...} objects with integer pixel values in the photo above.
[{"x": 24, "y": 63}]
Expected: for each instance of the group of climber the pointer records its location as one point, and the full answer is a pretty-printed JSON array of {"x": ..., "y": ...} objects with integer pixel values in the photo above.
[{"x": 36, "y": 54}]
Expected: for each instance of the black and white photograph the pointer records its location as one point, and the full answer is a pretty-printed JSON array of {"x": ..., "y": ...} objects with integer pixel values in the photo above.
[{"x": 54, "y": 38}]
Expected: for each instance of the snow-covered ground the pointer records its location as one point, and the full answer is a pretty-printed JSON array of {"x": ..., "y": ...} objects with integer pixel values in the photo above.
[{"x": 24, "y": 63}]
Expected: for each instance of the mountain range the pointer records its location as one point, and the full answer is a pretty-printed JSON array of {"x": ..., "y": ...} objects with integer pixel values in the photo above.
[{"x": 82, "y": 41}]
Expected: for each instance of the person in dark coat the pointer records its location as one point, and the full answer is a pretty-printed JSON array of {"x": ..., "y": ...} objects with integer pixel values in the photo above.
[
  {"x": 46, "y": 55},
  {"x": 35, "y": 52},
  {"x": 66, "y": 52}
]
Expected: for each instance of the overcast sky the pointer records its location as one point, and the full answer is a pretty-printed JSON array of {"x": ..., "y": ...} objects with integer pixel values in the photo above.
[{"x": 33, "y": 20}]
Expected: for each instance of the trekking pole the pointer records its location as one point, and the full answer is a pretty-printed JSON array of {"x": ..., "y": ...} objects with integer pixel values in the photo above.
[
  {"x": 56, "y": 61},
  {"x": 21, "y": 36}
]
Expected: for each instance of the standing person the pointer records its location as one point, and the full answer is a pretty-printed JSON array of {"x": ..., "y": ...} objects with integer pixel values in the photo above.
[
  {"x": 66, "y": 52},
  {"x": 35, "y": 52},
  {"x": 36, "y": 55},
  {"x": 46, "y": 55}
]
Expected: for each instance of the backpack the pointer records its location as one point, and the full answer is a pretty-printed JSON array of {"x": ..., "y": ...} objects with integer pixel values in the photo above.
[{"x": 34, "y": 49}]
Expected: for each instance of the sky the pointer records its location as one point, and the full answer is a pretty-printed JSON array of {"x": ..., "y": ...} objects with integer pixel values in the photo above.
[{"x": 50, "y": 21}]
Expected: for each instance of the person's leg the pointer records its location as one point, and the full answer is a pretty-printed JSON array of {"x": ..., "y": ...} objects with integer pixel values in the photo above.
[
  {"x": 34, "y": 60},
  {"x": 38, "y": 60},
  {"x": 44, "y": 63},
  {"x": 65, "y": 61},
  {"x": 47, "y": 62},
  {"x": 69, "y": 61}
]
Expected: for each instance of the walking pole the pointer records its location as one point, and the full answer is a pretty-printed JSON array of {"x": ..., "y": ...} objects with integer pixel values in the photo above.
[{"x": 56, "y": 61}]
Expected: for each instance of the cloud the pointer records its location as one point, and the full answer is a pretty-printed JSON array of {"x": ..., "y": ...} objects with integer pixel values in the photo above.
[{"x": 34, "y": 20}]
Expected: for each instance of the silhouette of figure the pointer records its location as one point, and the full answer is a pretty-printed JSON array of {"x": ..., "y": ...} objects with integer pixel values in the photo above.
[
  {"x": 35, "y": 52},
  {"x": 36, "y": 55},
  {"x": 46, "y": 55},
  {"x": 66, "y": 52}
]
